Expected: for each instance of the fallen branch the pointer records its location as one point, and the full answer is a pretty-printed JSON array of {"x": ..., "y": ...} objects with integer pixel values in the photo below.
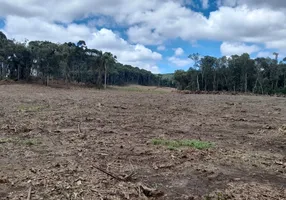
[
  {"x": 122, "y": 107},
  {"x": 150, "y": 192},
  {"x": 119, "y": 178},
  {"x": 146, "y": 191},
  {"x": 29, "y": 193},
  {"x": 100, "y": 195},
  {"x": 109, "y": 174},
  {"x": 129, "y": 177},
  {"x": 78, "y": 128}
]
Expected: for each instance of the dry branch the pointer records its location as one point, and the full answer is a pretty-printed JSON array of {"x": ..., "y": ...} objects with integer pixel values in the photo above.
[
  {"x": 150, "y": 192},
  {"x": 109, "y": 174},
  {"x": 78, "y": 128},
  {"x": 126, "y": 178},
  {"x": 29, "y": 193}
]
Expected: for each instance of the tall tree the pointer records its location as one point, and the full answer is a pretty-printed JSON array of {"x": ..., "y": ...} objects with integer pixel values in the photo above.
[
  {"x": 197, "y": 64},
  {"x": 108, "y": 60},
  {"x": 208, "y": 64}
]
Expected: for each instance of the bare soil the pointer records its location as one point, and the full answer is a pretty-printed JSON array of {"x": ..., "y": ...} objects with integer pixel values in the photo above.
[{"x": 54, "y": 141}]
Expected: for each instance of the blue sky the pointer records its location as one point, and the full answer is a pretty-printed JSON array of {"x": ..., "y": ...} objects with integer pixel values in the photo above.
[{"x": 157, "y": 35}]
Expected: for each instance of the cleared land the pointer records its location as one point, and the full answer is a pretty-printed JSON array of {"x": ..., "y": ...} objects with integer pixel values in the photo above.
[{"x": 61, "y": 143}]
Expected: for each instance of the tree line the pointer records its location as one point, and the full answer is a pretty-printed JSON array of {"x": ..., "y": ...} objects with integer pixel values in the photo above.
[
  {"x": 235, "y": 73},
  {"x": 70, "y": 62}
]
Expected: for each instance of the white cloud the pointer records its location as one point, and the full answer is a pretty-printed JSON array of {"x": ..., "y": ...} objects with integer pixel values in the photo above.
[
  {"x": 141, "y": 34},
  {"x": 135, "y": 55},
  {"x": 147, "y": 66},
  {"x": 205, "y": 4},
  {"x": 254, "y": 3},
  {"x": 106, "y": 40},
  {"x": 232, "y": 48},
  {"x": 269, "y": 54},
  {"x": 161, "y": 48},
  {"x": 255, "y": 21},
  {"x": 172, "y": 21},
  {"x": 278, "y": 43},
  {"x": 264, "y": 54},
  {"x": 150, "y": 22},
  {"x": 245, "y": 24},
  {"x": 179, "y": 62},
  {"x": 68, "y": 10},
  {"x": 21, "y": 28},
  {"x": 179, "y": 52},
  {"x": 102, "y": 21},
  {"x": 230, "y": 3}
]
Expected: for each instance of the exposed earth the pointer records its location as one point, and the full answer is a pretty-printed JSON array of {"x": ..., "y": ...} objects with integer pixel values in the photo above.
[{"x": 82, "y": 143}]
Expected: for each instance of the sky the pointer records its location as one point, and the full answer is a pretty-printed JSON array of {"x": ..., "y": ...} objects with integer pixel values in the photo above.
[{"x": 156, "y": 35}]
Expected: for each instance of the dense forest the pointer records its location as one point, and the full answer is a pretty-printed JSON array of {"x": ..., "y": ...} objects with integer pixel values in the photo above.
[
  {"x": 45, "y": 61},
  {"x": 234, "y": 73},
  {"x": 70, "y": 62}
]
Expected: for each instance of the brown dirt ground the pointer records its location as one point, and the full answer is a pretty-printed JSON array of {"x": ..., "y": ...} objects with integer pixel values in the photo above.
[{"x": 51, "y": 141}]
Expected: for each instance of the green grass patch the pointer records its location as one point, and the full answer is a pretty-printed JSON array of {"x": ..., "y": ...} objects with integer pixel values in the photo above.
[
  {"x": 217, "y": 196},
  {"x": 28, "y": 142},
  {"x": 175, "y": 144},
  {"x": 6, "y": 140},
  {"x": 30, "y": 108},
  {"x": 173, "y": 148}
]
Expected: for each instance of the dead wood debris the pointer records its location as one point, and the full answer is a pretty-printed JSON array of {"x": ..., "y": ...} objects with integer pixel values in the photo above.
[
  {"x": 78, "y": 128},
  {"x": 122, "y": 107},
  {"x": 29, "y": 193},
  {"x": 142, "y": 189},
  {"x": 125, "y": 178},
  {"x": 150, "y": 192}
]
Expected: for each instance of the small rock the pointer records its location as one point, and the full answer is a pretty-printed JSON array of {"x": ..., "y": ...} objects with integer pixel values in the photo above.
[
  {"x": 57, "y": 165},
  {"x": 3, "y": 181},
  {"x": 78, "y": 182},
  {"x": 279, "y": 163},
  {"x": 267, "y": 127},
  {"x": 184, "y": 156},
  {"x": 33, "y": 170},
  {"x": 99, "y": 105},
  {"x": 155, "y": 166}
]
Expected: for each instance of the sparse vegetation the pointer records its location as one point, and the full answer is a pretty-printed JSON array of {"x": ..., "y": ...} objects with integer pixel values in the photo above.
[
  {"x": 174, "y": 144},
  {"x": 218, "y": 196},
  {"x": 6, "y": 140},
  {"x": 30, "y": 108},
  {"x": 172, "y": 148},
  {"x": 28, "y": 142}
]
